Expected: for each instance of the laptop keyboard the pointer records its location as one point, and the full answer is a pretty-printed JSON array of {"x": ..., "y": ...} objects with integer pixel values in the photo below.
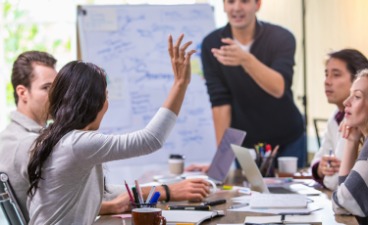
[{"x": 280, "y": 190}]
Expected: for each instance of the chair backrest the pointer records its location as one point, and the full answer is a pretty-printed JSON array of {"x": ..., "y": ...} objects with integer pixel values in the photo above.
[
  {"x": 319, "y": 126},
  {"x": 8, "y": 202}
]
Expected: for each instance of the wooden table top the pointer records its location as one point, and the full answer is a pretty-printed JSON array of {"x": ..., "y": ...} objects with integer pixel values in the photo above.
[{"x": 235, "y": 178}]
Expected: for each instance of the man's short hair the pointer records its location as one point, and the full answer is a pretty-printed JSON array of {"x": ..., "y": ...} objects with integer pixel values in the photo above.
[
  {"x": 355, "y": 60},
  {"x": 22, "y": 73}
]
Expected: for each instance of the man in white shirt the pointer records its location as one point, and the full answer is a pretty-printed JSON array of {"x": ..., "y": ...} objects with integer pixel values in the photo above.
[{"x": 340, "y": 71}]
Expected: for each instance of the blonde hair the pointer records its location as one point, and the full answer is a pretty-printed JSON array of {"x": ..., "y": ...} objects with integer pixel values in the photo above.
[{"x": 362, "y": 73}]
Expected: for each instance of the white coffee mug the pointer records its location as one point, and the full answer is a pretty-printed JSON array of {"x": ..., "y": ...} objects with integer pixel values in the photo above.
[
  {"x": 287, "y": 164},
  {"x": 176, "y": 164}
]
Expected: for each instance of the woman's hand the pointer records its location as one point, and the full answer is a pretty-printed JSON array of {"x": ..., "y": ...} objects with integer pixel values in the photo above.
[
  {"x": 180, "y": 60},
  {"x": 117, "y": 205},
  {"x": 350, "y": 133}
]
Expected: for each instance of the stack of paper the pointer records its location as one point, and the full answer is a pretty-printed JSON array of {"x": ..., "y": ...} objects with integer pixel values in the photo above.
[
  {"x": 278, "y": 201},
  {"x": 310, "y": 219},
  {"x": 189, "y": 216}
]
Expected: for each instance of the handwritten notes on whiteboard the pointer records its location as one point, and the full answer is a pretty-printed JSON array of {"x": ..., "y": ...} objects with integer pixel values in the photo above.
[{"x": 130, "y": 43}]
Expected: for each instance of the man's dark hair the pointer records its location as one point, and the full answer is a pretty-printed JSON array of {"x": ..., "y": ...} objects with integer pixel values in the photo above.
[
  {"x": 355, "y": 60},
  {"x": 22, "y": 73}
]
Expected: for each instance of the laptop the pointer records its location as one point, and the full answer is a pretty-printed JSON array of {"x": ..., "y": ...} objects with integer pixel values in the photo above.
[
  {"x": 224, "y": 157},
  {"x": 255, "y": 179}
]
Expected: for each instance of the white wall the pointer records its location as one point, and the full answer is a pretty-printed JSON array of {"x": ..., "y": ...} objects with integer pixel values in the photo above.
[{"x": 331, "y": 25}]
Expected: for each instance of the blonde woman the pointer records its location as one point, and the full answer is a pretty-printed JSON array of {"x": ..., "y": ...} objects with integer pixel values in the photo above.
[{"x": 352, "y": 193}]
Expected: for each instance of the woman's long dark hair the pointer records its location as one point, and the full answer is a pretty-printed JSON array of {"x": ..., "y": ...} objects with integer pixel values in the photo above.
[{"x": 76, "y": 96}]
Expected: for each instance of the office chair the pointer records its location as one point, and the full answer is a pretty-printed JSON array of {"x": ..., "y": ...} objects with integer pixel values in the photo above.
[
  {"x": 319, "y": 127},
  {"x": 8, "y": 202}
]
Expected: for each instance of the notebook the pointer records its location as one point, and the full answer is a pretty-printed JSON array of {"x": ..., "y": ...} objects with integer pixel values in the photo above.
[
  {"x": 307, "y": 219},
  {"x": 190, "y": 216},
  {"x": 279, "y": 201},
  {"x": 254, "y": 177},
  {"x": 224, "y": 156}
]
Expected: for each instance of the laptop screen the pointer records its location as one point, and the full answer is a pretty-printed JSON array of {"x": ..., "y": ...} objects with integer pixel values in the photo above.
[
  {"x": 224, "y": 156},
  {"x": 250, "y": 169}
]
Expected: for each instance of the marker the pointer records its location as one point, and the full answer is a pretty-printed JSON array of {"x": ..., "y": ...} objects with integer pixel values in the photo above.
[
  {"x": 134, "y": 190},
  {"x": 216, "y": 202},
  {"x": 155, "y": 198},
  {"x": 180, "y": 224},
  {"x": 274, "y": 151},
  {"x": 139, "y": 192},
  {"x": 190, "y": 207},
  {"x": 150, "y": 194},
  {"x": 239, "y": 206},
  {"x": 227, "y": 187},
  {"x": 129, "y": 192}
]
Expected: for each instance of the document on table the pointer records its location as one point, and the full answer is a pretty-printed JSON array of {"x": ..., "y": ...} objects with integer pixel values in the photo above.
[
  {"x": 196, "y": 217},
  {"x": 309, "y": 219},
  {"x": 289, "y": 211},
  {"x": 278, "y": 201}
]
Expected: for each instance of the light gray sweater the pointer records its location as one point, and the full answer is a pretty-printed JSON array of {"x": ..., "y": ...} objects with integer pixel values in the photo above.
[
  {"x": 72, "y": 189},
  {"x": 15, "y": 143}
]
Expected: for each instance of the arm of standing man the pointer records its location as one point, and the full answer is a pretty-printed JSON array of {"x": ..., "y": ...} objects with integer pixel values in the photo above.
[{"x": 267, "y": 78}]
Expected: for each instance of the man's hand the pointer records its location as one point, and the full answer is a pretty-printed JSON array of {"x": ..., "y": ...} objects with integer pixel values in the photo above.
[
  {"x": 328, "y": 166},
  {"x": 230, "y": 54},
  {"x": 196, "y": 167}
]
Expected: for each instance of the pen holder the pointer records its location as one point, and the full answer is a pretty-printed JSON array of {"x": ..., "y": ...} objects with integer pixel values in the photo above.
[
  {"x": 267, "y": 166},
  {"x": 143, "y": 205}
]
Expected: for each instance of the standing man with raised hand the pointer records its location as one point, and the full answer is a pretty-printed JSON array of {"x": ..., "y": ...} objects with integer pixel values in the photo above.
[
  {"x": 341, "y": 68},
  {"x": 248, "y": 66}
]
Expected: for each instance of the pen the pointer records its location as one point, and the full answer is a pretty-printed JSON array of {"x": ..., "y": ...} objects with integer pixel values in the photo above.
[
  {"x": 150, "y": 194},
  {"x": 227, "y": 187},
  {"x": 330, "y": 153},
  {"x": 216, "y": 202},
  {"x": 180, "y": 223},
  {"x": 129, "y": 192},
  {"x": 190, "y": 207},
  {"x": 295, "y": 214},
  {"x": 139, "y": 192},
  {"x": 134, "y": 190},
  {"x": 274, "y": 151},
  {"x": 239, "y": 206}
]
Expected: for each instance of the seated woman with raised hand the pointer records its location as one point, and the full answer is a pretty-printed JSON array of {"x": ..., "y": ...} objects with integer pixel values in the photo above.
[
  {"x": 352, "y": 193},
  {"x": 65, "y": 169}
]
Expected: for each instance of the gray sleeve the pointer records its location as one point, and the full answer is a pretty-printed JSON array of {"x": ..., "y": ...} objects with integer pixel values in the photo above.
[
  {"x": 94, "y": 148},
  {"x": 113, "y": 190},
  {"x": 352, "y": 194}
]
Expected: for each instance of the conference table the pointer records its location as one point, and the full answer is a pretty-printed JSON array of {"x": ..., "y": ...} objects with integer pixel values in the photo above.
[{"x": 235, "y": 178}]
